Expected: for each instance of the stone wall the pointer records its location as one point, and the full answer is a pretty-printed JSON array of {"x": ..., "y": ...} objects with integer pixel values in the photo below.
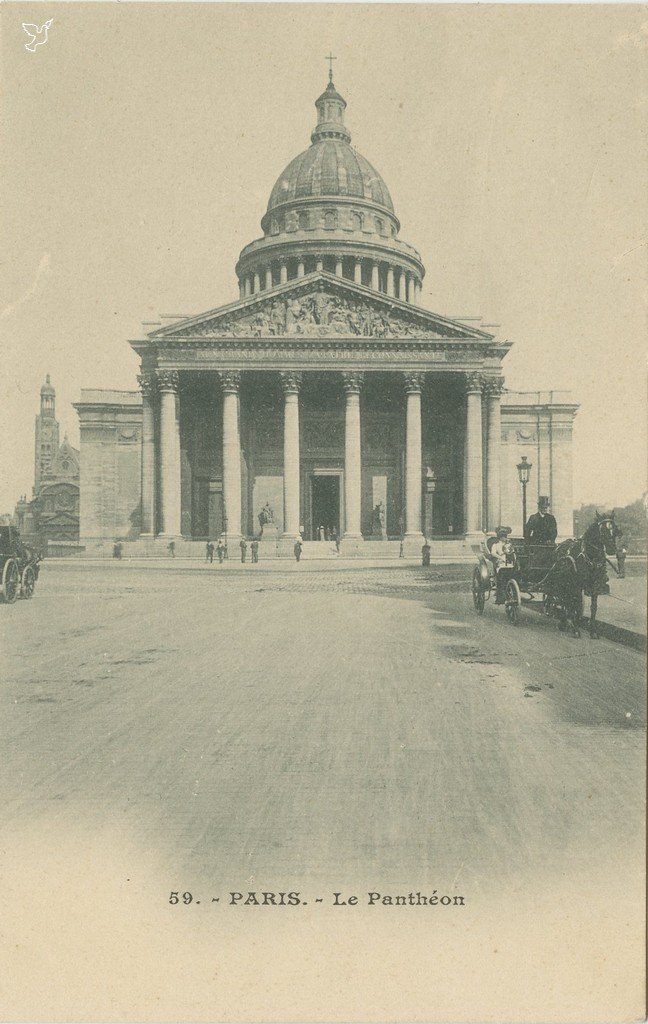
[
  {"x": 111, "y": 432},
  {"x": 538, "y": 424}
]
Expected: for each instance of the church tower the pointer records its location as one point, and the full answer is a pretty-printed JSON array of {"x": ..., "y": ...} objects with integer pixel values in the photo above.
[{"x": 46, "y": 434}]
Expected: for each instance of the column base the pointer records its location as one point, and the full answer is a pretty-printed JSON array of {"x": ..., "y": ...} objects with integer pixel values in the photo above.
[
  {"x": 351, "y": 545},
  {"x": 412, "y": 544},
  {"x": 286, "y": 545},
  {"x": 474, "y": 539}
]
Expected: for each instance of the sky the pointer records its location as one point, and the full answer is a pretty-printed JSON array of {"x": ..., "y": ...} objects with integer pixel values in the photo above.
[{"x": 141, "y": 143}]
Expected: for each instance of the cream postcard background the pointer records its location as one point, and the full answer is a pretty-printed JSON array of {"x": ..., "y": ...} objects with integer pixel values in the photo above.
[{"x": 139, "y": 148}]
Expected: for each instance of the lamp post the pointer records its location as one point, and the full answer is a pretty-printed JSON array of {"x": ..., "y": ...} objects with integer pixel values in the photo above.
[
  {"x": 524, "y": 475},
  {"x": 430, "y": 485}
]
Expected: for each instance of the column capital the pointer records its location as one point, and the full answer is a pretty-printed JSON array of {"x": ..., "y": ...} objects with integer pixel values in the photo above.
[
  {"x": 353, "y": 381},
  {"x": 473, "y": 383},
  {"x": 414, "y": 383},
  {"x": 230, "y": 381},
  {"x": 147, "y": 381},
  {"x": 168, "y": 380},
  {"x": 290, "y": 381},
  {"x": 493, "y": 386}
]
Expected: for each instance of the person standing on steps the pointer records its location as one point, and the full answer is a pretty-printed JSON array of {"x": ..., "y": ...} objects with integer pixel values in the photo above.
[
  {"x": 254, "y": 548},
  {"x": 243, "y": 547},
  {"x": 220, "y": 551},
  {"x": 425, "y": 553},
  {"x": 298, "y": 549},
  {"x": 209, "y": 552}
]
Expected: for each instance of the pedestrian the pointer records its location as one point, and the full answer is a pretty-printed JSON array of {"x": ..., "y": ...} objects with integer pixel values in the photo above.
[
  {"x": 243, "y": 547},
  {"x": 621, "y": 552},
  {"x": 220, "y": 550},
  {"x": 425, "y": 552},
  {"x": 298, "y": 549},
  {"x": 336, "y": 539},
  {"x": 209, "y": 552},
  {"x": 171, "y": 548},
  {"x": 254, "y": 548},
  {"x": 117, "y": 549}
]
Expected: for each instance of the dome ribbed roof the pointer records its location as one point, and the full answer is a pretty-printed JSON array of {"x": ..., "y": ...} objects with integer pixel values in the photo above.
[{"x": 330, "y": 167}]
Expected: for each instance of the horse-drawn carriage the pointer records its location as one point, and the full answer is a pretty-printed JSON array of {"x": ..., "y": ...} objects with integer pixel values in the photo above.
[
  {"x": 18, "y": 566},
  {"x": 555, "y": 576},
  {"x": 520, "y": 580}
]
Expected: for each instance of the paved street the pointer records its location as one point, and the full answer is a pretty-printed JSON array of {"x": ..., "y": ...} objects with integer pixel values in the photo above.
[
  {"x": 353, "y": 729},
  {"x": 288, "y": 725}
]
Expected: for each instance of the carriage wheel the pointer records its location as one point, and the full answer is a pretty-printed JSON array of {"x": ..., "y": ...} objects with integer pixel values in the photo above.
[
  {"x": 478, "y": 592},
  {"x": 28, "y": 582},
  {"x": 513, "y": 602},
  {"x": 10, "y": 581}
]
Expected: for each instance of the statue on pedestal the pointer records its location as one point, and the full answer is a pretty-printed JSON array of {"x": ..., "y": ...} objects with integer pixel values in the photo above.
[
  {"x": 266, "y": 520},
  {"x": 378, "y": 524}
]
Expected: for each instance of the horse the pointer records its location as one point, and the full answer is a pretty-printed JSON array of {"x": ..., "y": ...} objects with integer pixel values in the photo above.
[{"x": 579, "y": 568}]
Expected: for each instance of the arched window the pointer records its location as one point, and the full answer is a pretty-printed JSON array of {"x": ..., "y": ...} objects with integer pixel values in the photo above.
[
  {"x": 380, "y": 227},
  {"x": 356, "y": 221},
  {"x": 304, "y": 220},
  {"x": 330, "y": 219}
]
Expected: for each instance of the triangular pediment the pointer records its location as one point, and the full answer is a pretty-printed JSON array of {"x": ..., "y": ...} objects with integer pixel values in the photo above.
[{"x": 320, "y": 305}]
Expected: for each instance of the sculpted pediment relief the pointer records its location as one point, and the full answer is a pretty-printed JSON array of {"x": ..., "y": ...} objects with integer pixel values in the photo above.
[{"x": 320, "y": 314}]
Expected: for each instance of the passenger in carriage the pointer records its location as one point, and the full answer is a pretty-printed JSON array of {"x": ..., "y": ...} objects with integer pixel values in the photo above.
[{"x": 502, "y": 555}]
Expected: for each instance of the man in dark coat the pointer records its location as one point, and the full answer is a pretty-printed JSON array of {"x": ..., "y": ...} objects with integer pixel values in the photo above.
[{"x": 541, "y": 527}]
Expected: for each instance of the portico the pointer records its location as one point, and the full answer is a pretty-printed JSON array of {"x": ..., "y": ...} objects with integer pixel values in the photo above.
[{"x": 319, "y": 424}]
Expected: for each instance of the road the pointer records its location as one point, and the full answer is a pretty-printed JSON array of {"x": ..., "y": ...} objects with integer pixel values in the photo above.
[{"x": 302, "y": 729}]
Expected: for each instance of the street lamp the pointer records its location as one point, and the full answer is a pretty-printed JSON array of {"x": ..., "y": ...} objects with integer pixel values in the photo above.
[
  {"x": 524, "y": 475},
  {"x": 430, "y": 485}
]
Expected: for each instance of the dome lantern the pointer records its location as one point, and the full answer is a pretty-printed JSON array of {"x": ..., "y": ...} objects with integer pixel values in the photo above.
[{"x": 330, "y": 116}]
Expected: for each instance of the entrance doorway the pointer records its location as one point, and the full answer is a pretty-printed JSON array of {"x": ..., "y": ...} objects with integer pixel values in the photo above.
[{"x": 325, "y": 506}]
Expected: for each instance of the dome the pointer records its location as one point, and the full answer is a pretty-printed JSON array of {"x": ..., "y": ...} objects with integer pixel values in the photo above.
[
  {"x": 330, "y": 167},
  {"x": 331, "y": 212}
]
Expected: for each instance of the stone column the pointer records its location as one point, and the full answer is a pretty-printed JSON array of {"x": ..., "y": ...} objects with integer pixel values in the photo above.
[
  {"x": 375, "y": 276},
  {"x": 230, "y": 384},
  {"x": 493, "y": 388},
  {"x": 283, "y": 273},
  {"x": 338, "y": 268},
  {"x": 413, "y": 464},
  {"x": 167, "y": 381},
  {"x": 148, "y": 385},
  {"x": 247, "y": 286},
  {"x": 402, "y": 288},
  {"x": 300, "y": 266},
  {"x": 352, "y": 463},
  {"x": 268, "y": 278},
  {"x": 241, "y": 288},
  {"x": 291, "y": 383},
  {"x": 409, "y": 287},
  {"x": 473, "y": 457},
  {"x": 256, "y": 286},
  {"x": 357, "y": 271},
  {"x": 417, "y": 292},
  {"x": 390, "y": 280}
]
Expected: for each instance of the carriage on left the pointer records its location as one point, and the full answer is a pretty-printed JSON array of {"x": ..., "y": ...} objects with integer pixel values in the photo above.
[{"x": 19, "y": 566}]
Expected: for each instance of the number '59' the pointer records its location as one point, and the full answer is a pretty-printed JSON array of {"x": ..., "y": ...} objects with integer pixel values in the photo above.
[{"x": 177, "y": 897}]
